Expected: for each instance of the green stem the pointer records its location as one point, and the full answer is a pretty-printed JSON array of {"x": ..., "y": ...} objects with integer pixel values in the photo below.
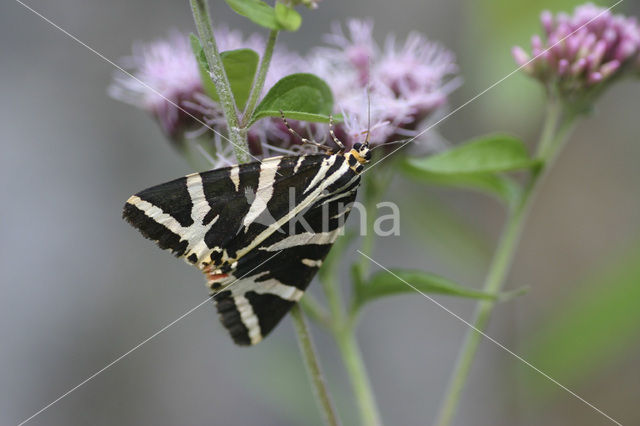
[
  {"x": 495, "y": 278},
  {"x": 374, "y": 187},
  {"x": 313, "y": 367},
  {"x": 344, "y": 329},
  {"x": 316, "y": 311},
  {"x": 552, "y": 137},
  {"x": 368, "y": 240},
  {"x": 354, "y": 365},
  {"x": 237, "y": 135},
  {"x": 260, "y": 78},
  {"x": 334, "y": 299},
  {"x": 554, "y": 113}
]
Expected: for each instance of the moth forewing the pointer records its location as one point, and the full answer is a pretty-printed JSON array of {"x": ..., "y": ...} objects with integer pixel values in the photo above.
[{"x": 231, "y": 223}]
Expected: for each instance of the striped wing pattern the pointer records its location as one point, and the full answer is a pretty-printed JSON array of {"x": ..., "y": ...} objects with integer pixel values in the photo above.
[{"x": 258, "y": 231}]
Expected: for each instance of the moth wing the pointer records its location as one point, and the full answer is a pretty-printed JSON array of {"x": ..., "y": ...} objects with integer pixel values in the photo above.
[
  {"x": 267, "y": 281},
  {"x": 192, "y": 215},
  {"x": 245, "y": 211}
]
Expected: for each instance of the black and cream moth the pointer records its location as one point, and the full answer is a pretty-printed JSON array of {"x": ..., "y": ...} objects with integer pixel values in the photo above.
[{"x": 258, "y": 231}]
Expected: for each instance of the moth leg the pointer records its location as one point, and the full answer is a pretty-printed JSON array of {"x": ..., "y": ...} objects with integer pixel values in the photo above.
[
  {"x": 219, "y": 278},
  {"x": 333, "y": 135},
  {"x": 303, "y": 140}
]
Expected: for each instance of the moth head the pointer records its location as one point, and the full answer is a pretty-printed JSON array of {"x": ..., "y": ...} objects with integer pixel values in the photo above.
[
  {"x": 358, "y": 156},
  {"x": 362, "y": 152}
]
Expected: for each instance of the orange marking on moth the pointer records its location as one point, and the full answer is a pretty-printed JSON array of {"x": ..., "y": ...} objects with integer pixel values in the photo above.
[{"x": 215, "y": 277}]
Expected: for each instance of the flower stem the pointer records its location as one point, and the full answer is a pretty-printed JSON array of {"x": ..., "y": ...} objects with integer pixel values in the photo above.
[
  {"x": 354, "y": 365},
  {"x": 494, "y": 281},
  {"x": 554, "y": 113},
  {"x": 315, "y": 311},
  {"x": 368, "y": 239},
  {"x": 261, "y": 75},
  {"x": 313, "y": 367},
  {"x": 554, "y": 133},
  {"x": 374, "y": 186},
  {"x": 344, "y": 329},
  {"x": 237, "y": 136}
]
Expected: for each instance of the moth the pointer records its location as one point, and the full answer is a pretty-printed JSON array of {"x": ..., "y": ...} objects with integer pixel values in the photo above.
[{"x": 259, "y": 231}]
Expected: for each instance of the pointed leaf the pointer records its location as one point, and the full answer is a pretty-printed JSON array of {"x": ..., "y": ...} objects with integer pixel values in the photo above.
[
  {"x": 385, "y": 283},
  {"x": 300, "y": 96},
  {"x": 493, "y": 153},
  {"x": 257, "y": 11},
  {"x": 499, "y": 186},
  {"x": 287, "y": 17},
  {"x": 282, "y": 17}
]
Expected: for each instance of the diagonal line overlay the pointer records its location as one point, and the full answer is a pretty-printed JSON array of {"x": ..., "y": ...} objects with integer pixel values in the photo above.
[
  {"x": 490, "y": 87},
  {"x": 154, "y": 90},
  {"x": 491, "y": 339},
  {"x": 139, "y": 345},
  {"x": 242, "y": 148}
]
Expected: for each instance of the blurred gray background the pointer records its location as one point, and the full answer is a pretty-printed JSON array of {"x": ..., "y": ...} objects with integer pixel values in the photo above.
[{"x": 80, "y": 287}]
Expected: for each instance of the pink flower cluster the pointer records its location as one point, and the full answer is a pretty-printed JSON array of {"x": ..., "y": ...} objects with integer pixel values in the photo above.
[
  {"x": 164, "y": 80},
  {"x": 407, "y": 83},
  {"x": 166, "y": 75},
  {"x": 582, "y": 51}
]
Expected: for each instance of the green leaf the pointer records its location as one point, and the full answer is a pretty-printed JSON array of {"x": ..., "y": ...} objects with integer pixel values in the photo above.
[
  {"x": 499, "y": 186},
  {"x": 257, "y": 11},
  {"x": 282, "y": 17},
  {"x": 386, "y": 283},
  {"x": 594, "y": 326},
  {"x": 300, "y": 96},
  {"x": 493, "y": 153},
  {"x": 293, "y": 115},
  {"x": 287, "y": 17},
  {"x": 240, "y": 66}
]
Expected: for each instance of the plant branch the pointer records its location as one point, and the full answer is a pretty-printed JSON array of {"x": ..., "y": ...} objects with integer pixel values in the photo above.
[
  {"x": 237, "y": 135},
  {"x": 344, "y": 329},
  {"x": 554, "y": 113},
  {"x": 354, "y": 365},
  {"x": 375, "y": 186},
  {"x": 554, "y": 133},
  {"x": 315, "y": 311},
  {"x": 260, "y": 78},
  {"x": 313, "y": 367},
  {"x": 495, "y": 278}
]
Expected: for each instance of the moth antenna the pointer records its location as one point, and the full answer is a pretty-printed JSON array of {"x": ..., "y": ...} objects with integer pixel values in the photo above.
[
  {"x": 391, "y": 143},
  {"x": 333, "y": 135},
  {"x": 303, "y": 140},
  {"x": 368, "y": 112},
  {"x": 366, "y": 141}
]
